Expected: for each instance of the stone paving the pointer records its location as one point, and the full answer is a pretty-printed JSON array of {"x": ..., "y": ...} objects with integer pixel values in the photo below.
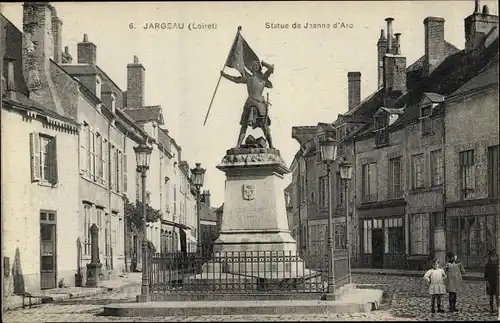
[{"x": 407, "y": 301}]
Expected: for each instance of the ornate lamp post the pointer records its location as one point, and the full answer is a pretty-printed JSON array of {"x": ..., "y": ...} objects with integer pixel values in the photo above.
[
  {"x": 345, "y": 176},
  {"x": 143, "y": 156},
  {"x": 198, "y": 176},
  {"x": 328, "y": 155}
]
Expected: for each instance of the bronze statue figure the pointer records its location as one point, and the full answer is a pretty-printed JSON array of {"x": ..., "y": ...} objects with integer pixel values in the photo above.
[{"x": 255, "y": 110}]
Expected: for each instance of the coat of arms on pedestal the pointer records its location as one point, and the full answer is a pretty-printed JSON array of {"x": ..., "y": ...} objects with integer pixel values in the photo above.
[{"x": 248, "y": 192}]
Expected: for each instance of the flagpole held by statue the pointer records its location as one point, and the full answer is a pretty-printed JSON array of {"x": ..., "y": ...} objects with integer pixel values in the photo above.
[{"x": 256, "y": 109}]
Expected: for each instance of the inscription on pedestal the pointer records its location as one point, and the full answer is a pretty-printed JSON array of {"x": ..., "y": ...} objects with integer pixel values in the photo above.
[{"x": 248, "y": 192}]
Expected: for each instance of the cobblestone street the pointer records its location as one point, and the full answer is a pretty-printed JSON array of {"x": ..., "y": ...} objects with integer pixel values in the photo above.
[{"x": 408, "y": 301}]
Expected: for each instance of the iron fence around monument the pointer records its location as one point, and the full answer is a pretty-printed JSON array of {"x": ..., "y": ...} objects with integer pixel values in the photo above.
[{"x": 244, "y": 272}]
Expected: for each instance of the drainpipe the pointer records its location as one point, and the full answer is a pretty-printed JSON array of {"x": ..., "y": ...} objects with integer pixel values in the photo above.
[
  {"x": 109, "y": 217},
  {"x": 306, "y": 201},
  {"x": 354, "y": 208},
  {"x": 443, "y": 140},
  {"x": 300, "y": 218}
]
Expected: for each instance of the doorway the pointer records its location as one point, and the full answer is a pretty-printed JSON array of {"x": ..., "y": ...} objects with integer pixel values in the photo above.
[
  {"x": 48, "y": 250},
  {"x": 377, "y": 248}
]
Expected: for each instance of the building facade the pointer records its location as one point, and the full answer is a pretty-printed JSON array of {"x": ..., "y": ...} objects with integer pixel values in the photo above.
[{"x": 425, "y": 177}]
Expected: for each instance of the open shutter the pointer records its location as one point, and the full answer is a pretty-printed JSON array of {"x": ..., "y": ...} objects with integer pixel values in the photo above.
[
  {"x": 35, "y": 156},
  {"x": 83, "y": 150},
  {"x": 97, "y": 157},
  {"x": 104, "y": 161},
  {"x": 120, "y": 171},
  {"x": 125, "y": 175},
  {"x": 53, "y": 161}
]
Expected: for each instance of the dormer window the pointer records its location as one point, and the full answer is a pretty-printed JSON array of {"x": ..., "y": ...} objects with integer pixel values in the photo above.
[
  {"x": 426, "y": 120},
  {"x": 319, "y": 138},
  {"x": 341, "y": 134},
  {"x": 98, "y": 86},
  {"x": 113, "y": 103},
  {"x": 381, "y": 134}
]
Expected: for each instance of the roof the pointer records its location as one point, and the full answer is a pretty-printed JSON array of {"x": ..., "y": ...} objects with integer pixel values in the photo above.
[
  {"x": 13, "y": 49},
  {"x": 164, "y": 140},
  {"x": 206, "y": 213},
  {"x": 488, "y": 76},
  {"x": 145, "y": 114}
]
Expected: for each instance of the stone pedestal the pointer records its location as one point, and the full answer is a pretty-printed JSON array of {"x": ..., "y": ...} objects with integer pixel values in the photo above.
[
  {"x": 255, "y": 242},
  {"x": 254, "y": 207},
  {"x": 94, "y": 268}
]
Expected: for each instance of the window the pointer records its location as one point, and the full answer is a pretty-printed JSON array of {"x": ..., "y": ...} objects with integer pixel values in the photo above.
[
  {"x": 493, "y": 171},
  {"x": 341, "y": 133},
  {"x": 318, "y": 239},
  {"x": 319, "y": 138},
  {"x": 323, "y": 191},
  {"x": 467, "y": 180},
  {"x": 381, "y": 134},
  {"x": 87, "y": 222},
  {"x": 394, "y": 231},
  {"x": 340, "y": 236},
  {"x": 369, "y": 178},
  {"x": 436, "y": 167},
  {"x": 417, "y": 171},
  {"x": 98, "y": 87},
  {"x": 395, "y": 177},
  {"x": 303, "y": 188},
  {"x": 419, "y": 234},
  {"x": 92, "y": 154},
  {"x": 83, "y": 139},
  {"x": 98, "y": 153},
  {"x": 425, "y": 120},
  {"x": 175, "y": 199},
  {"x": 471, "y": 235},
  {"x": 43, "y": 150},
  {"x": 340, "y": 190}
]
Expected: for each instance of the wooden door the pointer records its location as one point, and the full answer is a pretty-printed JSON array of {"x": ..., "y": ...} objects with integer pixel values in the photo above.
[{"x": 48, "y": 250}]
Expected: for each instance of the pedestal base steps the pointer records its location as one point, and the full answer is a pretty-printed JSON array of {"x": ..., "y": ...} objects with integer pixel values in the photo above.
[{"x": 353, "y": 301}]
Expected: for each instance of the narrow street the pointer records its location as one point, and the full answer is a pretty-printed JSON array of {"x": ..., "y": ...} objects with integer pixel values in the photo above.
[{"x": 407, "y": 301}]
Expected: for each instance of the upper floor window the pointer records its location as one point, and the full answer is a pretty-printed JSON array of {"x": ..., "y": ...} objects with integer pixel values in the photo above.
[
  {"x": 436, "y": 167},
  {"x": 395, "y": 177},
  {"x": 467, "y": 176},
  {"x": 323, "y": 191},
  {"x": 43, "y": 150},
  {"x": 493, "y": 171},
  {"x": 381, "y": 134},
  {"x": 318, "y": 140},
  {"x": 417, "y": 171},
  {"x": 426, "y": 120},
  {"x": 369, "y": 183},
  {"x": 340, "y": 190}
]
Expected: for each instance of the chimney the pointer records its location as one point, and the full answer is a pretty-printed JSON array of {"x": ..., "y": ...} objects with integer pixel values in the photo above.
[
  {"x": 389, "y": 34},
  {"x": 135, "y": 84},
  {"x": 38, "y": 47},
  {"x": 66, "y": 56},
  {"x": 434, "y": 43},
  {"x": 381, "y": 49},
  {"x": 11, "y": 85},
  {"x": 206, "y": 197},
  {"x": 57, "y": 34},
  {"x": 354, "y": 88},
  {"x": 477, "y": 26},
  {"x": 394, "y": 64},
  {"x": 87, "y": 52},
  {"x": 397, "y": 45}
]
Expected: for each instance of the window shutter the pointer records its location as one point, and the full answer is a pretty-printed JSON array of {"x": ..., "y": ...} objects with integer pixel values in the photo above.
[
  {"x": 53, "y": 161},
  {"x": 104, "y": 160},
  {"x": 120, "y": 171},
  {"x": 35, "y": 156},
  {"x": 97, "y": 157},
  {"x": 125, "y": 175},
  {"x": 83, "y": 150}
]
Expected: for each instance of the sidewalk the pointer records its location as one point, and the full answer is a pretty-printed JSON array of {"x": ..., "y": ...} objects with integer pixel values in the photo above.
[
  {"x": 476, "y": 276},
  {"x": 55, "y": 295}
]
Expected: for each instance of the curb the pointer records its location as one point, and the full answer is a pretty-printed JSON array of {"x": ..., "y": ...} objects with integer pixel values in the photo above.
[{"x": 408, "y": 274}]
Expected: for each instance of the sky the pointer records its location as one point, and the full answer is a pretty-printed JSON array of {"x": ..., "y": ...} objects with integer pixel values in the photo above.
[{"x": 311, "y": 64}]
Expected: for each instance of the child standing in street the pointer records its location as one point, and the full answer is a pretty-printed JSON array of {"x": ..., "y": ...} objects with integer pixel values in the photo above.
[
  {"x": 491, "y": 277},
  {"x": 454, "y": 271},
  {"x": 436, "y": 278}
]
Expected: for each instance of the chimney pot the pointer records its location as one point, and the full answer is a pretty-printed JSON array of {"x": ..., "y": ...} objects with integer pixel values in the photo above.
[
  {"x": 398, "y": 43},
  {"x": 477, "y": 7},
  {"x": 85, "y": 38},
  {"x": 486, "y": 10},
  {"x": 136, "y": 60},
  {"x": 389, "y": 34},
  {"x": 66, "y": 49},
  {"x": 382, "y": 34}
]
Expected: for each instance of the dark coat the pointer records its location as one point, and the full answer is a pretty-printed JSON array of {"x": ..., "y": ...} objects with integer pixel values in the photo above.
[{"x": 491, "y": 277}]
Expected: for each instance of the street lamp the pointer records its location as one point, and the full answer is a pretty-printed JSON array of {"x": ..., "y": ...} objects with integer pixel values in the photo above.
[
  {"x": 345, "y": 176},
  {"x": 328, "y": 156},
  {"x": 143, "y": 156},
  {"x": 198, "y": 176}
]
